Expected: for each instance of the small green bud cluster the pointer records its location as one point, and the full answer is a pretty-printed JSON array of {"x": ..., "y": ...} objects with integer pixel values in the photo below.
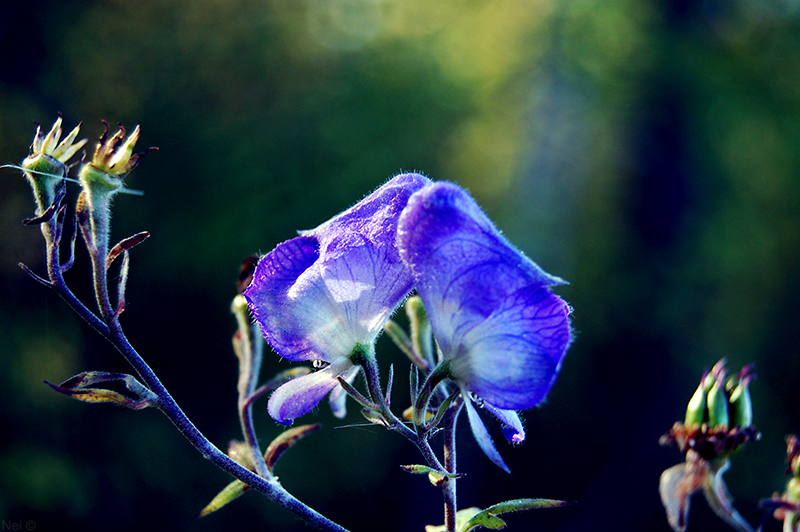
[{"x": 719, "y": 402}]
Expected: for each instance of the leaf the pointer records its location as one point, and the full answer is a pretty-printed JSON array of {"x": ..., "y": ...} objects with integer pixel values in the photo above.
[
  {"x": 126, "y": 245},
  {"x": 404, "y": 343},
  {"x": 437, "y": 477},
  {"x": 48, "y": 214},
  {"x": 229, "y": 493},
  {"x": 462, "y": 516},
  {"x": 442, "y": 410},
  {"x": 285, "y": 440},
  {"x": 488, "y": 518},
  {"x": 274, "y": 451},
  {"x": 485, "y": 520},
  {"x": 517, "y": 505},
  {"x": 82, "y": 387},
  {"x": 419, "y": 469}
]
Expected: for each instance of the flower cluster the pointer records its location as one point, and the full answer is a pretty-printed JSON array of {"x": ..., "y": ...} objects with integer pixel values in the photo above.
[
  {"x": 326, "y": 295},
  {"x": 718, "y": 422}
]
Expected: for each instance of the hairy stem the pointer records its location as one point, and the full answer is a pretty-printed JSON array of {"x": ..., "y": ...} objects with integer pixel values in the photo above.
[
  {"x": 420, "y": 440},
  {"x": 110, "y": 328},
  {"x": 449, "y": 487}
]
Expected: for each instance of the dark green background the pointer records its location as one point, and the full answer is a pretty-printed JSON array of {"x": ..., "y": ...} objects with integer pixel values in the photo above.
[{"x": 645, "y": 151}]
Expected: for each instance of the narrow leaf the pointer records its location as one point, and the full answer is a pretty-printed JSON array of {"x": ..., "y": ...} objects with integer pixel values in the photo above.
[
  {"x": 51, "y": 209},
  {"x": 356, "y": 395},
  {"x": 442, "y": 410},
  {"x": 437, "y": 477},
  {"x": 517, "y": 505},
  {"x": 126, "y": 245},
  {"x": 284, "y": 441},
  {"x": 400, "y": 338},
  {"x": 81, "y": 387},
  {"x": 488, "y": 518},
  {"x": 230, "y": 493}
]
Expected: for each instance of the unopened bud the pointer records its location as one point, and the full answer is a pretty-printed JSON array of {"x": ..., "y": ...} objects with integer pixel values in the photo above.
[
  {"x": 696, "y": 409},
  {"x": 46, "y": 166},
  {"x": 741, "y": 406},
  {"x": 718, "y": 406},
  {"x": 420, "y": 328}
]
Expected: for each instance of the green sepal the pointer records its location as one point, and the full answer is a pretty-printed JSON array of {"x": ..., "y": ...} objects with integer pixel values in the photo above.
[
  {"x": 82, "y": 387},
  {"x": 228, "y": 494},
  {"x": 45, "y": 174}
]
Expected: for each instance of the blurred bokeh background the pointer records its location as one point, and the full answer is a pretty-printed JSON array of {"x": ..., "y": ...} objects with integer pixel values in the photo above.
[{"x": 646, "y": 151}]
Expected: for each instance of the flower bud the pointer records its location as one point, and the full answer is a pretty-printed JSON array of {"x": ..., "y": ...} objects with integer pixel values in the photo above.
[
  {"x": 718, "y": 406},
  {"x": 696, "y": 409},
  {"x": 46, "y": 166},
  {"x": 741, "y": 406},
  {"x": 101, "y": 181},
  {"x": 420, "y": 325}
]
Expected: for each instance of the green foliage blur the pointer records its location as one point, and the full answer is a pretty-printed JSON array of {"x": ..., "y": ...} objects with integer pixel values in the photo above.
[{"x": 645, "y": 151}]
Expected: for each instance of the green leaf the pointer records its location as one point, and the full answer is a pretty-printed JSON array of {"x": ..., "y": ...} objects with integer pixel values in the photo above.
[
  {"x": 516, "y": 505},
  {"x": 230, "y": 493},
  {"x": 82, "y": 387},
  {"x": 485, "y": 520},
  {"x": 488, "y": 518},
  {"x": 419, "y": 469},
  {"x": 462, "y": 517}
]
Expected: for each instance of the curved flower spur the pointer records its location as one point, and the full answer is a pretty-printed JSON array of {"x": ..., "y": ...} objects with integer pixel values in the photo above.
[
  {"x": 326, "y": 295},
  {"x": 502, "y": 335}
]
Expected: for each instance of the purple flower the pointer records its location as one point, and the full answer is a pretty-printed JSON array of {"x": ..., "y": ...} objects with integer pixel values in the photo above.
[
  {"x": 326, "y": 294},
  {"x": 501, "y": 332}
]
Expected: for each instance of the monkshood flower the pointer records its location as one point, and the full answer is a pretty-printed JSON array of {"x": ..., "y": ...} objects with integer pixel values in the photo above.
[
  {"x": 325, "y": 295},
  {"x": 501, "y": 332}
]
